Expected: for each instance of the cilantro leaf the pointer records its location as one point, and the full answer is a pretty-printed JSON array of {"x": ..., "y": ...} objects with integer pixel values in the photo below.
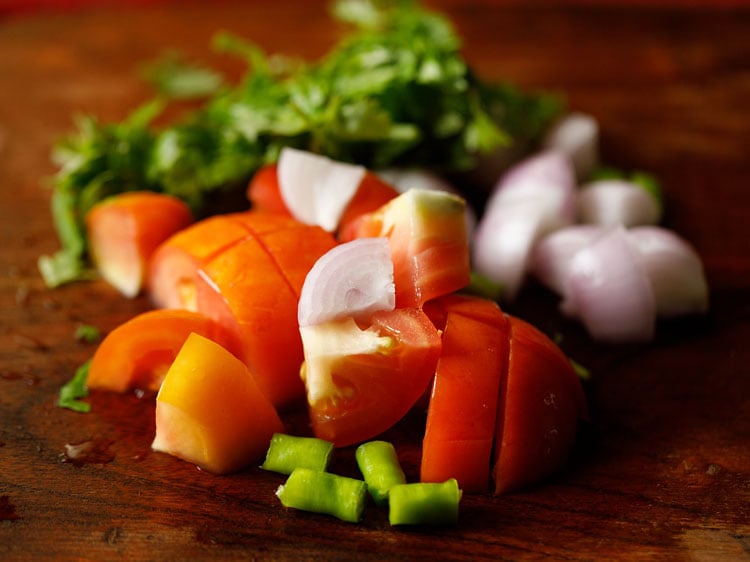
[{"x": 73, "y": 390}]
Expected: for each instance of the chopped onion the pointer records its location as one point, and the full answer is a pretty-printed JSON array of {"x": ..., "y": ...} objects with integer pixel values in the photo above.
[
  {"x": 316, "y": 189},
  {"x": 550, "y": 259},
  {"x": 674, "y": 269},
  {"x": 612, "y": 202},
  {"x": 353, "y": 279},
  {"x": 608, "y": 289},
  {"x": 577, "y": 135},
  {"x": 534, "y": 198}
]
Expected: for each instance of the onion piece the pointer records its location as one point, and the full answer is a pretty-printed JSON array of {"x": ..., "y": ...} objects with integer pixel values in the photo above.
[
  {"x": 608, "y": 289},
  {"x": 534, "y": 198},
  {"x": 551, "y": 257},
  {"x": 354, "y": 279},
  {"x": 316, "y": 189},
  {"x": 614, "y": 201},
  {"x": 577, "y": 135},
  {"x": 674, "y": 269}
]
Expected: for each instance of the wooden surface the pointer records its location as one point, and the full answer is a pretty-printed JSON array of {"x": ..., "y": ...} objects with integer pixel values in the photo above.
[{"x": 661, "y": 472}]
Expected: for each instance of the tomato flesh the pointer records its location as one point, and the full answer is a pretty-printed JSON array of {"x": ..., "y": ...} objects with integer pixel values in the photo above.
[{"x": 369, "y": 387}]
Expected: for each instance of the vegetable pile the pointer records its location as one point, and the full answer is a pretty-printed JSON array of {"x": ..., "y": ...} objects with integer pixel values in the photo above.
[{"x": 347, "y": 284}]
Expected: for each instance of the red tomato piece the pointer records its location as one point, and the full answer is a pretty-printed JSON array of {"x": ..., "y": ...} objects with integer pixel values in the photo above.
[
  {"x": 372, "y": 194},
  {"x": 541, "y": 401},
  {"x": 264, "y": 194},
  {"x": 462, "y": 411},
  {"x": 362, "y": 380},
  {"x": 427, "y": 234},
  {"x": 123, "y": 231},
  {"x": 137, "y": 354}
]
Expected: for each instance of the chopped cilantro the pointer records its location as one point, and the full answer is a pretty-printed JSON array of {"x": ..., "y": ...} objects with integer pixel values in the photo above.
[
  {"x": 394, "y": 92},
  {"x": 73, "y": 390},
  {"x": 87, "y": 333}
]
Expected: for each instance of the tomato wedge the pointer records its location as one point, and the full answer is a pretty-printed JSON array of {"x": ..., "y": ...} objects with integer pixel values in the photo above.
[
  {"x": 541, "y": 402},
  {"x": 264, "y": 194},
  {"x": 253, "y": 286},
  {"x": 361, "y": 380},
  {"x": 462, "y": 410},
  {"x": 138, "y": 353},
  {"x": 427, "y": 233},
  {"x": 124, "y": 230}
]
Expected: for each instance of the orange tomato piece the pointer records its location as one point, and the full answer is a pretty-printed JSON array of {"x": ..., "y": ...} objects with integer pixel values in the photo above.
[
  {"x": 362, "y": 380},
  {"x": 137, "y": 354},
  {"x": 253, "y": 288},
  {"x": 174, "y": 264},
  {"x": 541, "y": 402},
  {"x": 123, "y": 231},
  {"x": 462, "y": 411},
  {"x": 210, "y": 411}
]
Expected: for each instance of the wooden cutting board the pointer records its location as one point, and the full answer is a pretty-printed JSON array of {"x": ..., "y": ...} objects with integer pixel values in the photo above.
[{"x": 662, "y": 471}]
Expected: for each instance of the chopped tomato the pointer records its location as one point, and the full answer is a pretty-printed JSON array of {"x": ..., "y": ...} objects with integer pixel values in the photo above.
[
  {"x": 210, "y": 411},
  {"x": 137, "y": 354},
  {"x": 361, "y": 380},
  {"x": 372, "y": 194},
  {"x": 175, "y": 263},
  {"x": 124, "y": 230},
  {"x": 427, "y": 234},
  {"x": 541, "y": 401},
  {"x": 264, "y": 193},
  {"x": 462, "y": 410},
  {"x": 253, "y": 287}
]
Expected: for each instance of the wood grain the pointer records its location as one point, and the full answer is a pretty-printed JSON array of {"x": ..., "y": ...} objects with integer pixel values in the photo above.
[{"x": 661, "y": 472}]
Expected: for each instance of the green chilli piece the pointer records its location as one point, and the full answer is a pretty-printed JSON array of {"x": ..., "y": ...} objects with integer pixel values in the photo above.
[
  {"x": 424, "y": 503},
  {"x": 378, "y": 462},
  {"x": 287, "y": 452},
  {"x": 323, "y": 492}
]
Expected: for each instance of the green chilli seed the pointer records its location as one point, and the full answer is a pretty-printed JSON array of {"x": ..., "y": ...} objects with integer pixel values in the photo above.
[
  {"x": 378, "y": 462},
  {"x": 287, "y": 452},
  {"x": 323, "y": 492}
]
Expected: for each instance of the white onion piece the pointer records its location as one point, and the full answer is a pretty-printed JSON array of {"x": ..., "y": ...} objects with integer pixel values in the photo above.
[
  {"x": 534, "y": 198},
  {"x": 550, "y": 259},
  {"x": 577, "y": 135},
  {"x": 609, "y": 291},
  {"x": 403, "y": 179},
  {"x": 316, "y": 189},
  {"x": 613, "y": 202},
  {"x": 503, "y": 243},
  {"x": 353, "y": 279},
  {"x": 548, "y": 178},
  {"x": 674, "y": 269}
]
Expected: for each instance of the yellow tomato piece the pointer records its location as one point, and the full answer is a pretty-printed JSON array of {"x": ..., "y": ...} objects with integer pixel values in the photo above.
[{"x": 210, "y": 411}]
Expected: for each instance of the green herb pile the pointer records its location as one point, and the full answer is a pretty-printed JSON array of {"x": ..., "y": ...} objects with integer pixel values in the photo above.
[{"x": 395, "y": 92}]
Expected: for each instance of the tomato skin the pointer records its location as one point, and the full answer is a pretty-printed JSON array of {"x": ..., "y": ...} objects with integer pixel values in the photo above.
[
  {"x": 252, "y": 287},
  {"x": 123, "y": 231},
  {"x": 210, "y": 411},
  {"x": 540, "y": 405},
  {"x": 137, "y": 354},
  {"x": 462, "y": 412},
  {"x": 377, "y": 389}
]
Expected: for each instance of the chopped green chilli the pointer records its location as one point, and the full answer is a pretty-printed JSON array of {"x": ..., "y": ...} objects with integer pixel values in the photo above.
[
  {"x": 74, "y": 389},
  {"x": 424, "y": 503},
  {"x": 287, "y": 452},
  {"x": 378, "y": 462},
  {"x": 323, "y": 492}
]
